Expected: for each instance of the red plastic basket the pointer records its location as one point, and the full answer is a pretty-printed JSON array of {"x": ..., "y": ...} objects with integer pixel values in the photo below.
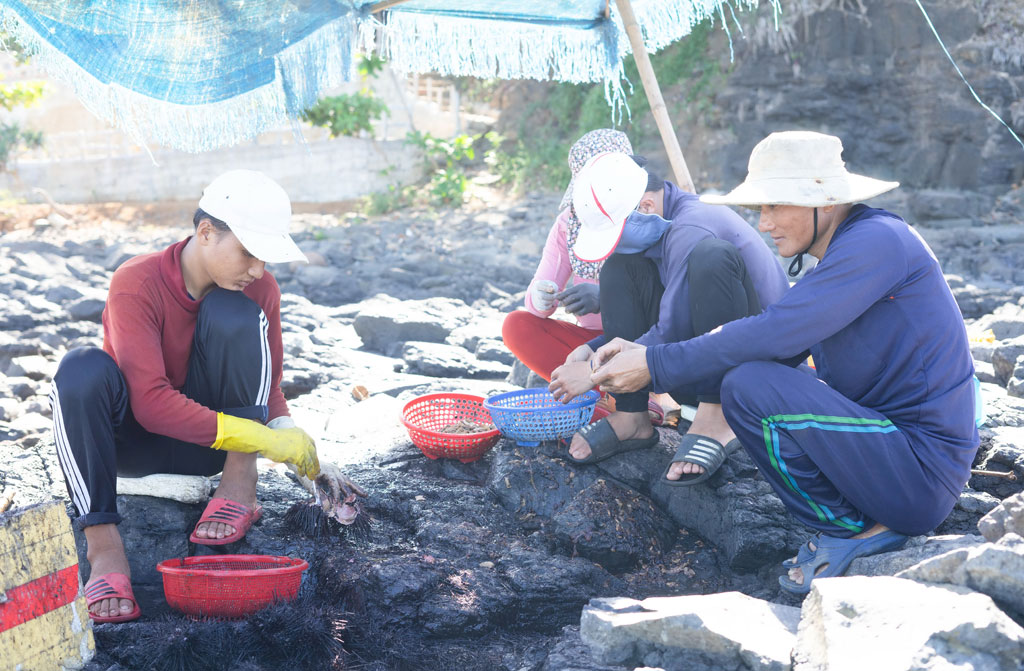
[
  {"x": 229, "y": 586},
  {"x": 426, "y": 415}
]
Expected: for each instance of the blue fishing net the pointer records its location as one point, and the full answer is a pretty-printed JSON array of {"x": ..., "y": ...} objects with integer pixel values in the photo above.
[
  {"x": 197, "y": 74},
  {"x": 185, "y": 53}
]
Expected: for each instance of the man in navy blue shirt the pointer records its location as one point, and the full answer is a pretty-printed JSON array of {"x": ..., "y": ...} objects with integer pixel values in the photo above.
[{"x": 878, "y": 445}]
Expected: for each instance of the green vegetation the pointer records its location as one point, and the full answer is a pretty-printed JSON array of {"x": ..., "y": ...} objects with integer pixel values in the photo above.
[
  {"x": 22, "y": 94},
  {"x": 549, "y": 126},
  {"x": 351, "y": 113},
  {"x": 445, "y": 162},
  {"x": 13, "y": 47},
  {"x": 535, "y": 150},
  {"x": 14, "y": 138},
  {"x": 382, "y": 202},
  {"x": 346, "y": 114}
]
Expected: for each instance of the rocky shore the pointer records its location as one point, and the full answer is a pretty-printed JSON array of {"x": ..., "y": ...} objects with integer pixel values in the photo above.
[{"x": 518, "y": 561}]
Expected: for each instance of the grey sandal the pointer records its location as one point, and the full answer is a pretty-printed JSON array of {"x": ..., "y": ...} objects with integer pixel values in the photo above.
[
  {"x": 604, "y": 443},
  {"x": 700, "y": 450}
]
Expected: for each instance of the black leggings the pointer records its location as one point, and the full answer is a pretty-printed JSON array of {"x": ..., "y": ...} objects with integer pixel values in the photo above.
[
  {"x": 96, "y": 435},
  {"x": 720, "y": 291}
]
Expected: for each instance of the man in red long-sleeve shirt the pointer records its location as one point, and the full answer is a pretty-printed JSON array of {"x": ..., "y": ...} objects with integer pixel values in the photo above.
[{"x": 188, "y": 380}]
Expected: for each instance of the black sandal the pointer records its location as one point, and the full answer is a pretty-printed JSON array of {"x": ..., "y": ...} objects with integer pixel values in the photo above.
[
  {"x": 703, "y": 451},
  {"x": 604, "y": 443}
]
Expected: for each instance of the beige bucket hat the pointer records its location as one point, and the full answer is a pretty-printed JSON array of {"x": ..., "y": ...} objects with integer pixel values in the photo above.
[{"x": 800, "y": 168}]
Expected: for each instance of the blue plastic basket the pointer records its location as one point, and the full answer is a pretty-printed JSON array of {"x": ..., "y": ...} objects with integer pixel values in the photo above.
[{"x": 529, "y": 416}]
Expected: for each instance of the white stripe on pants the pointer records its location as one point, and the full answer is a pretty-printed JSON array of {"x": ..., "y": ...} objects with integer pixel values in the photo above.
[{"x": 76, "y": 483}]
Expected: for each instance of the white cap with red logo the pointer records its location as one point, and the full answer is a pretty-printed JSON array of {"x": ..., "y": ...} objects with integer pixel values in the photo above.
[
  {"x": 258, "y": 212},
  {"x": 607, "y": 190}
]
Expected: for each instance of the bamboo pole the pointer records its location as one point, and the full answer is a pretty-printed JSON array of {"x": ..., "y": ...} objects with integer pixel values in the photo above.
[
  {"x": 1006, "y": 475},
  {"x": 381, "y": 6},
  {"x": 653, "y": 91}
]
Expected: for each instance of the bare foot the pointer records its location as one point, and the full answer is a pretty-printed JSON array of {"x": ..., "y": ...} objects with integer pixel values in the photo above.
[
  {"x": 667, "y": 403},
  {"x": 238, "y": 484},
  {"x": 709, "y": 422},
  {"x": 627, "y": 425},
  {"x": 797, "y": 575},
  {"x": 106, "y": 555}
]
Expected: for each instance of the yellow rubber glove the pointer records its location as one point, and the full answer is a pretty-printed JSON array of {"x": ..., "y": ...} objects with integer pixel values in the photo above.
[{"x": 294, "y": 446}]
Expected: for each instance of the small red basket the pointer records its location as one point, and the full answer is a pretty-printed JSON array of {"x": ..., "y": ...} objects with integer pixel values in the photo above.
[
  {"x": 426, "y": 415},
  {"x": 229, "y": 586}
]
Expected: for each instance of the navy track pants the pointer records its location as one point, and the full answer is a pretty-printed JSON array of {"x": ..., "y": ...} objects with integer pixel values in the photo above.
[
  {"x": 720, "y": 291},
  {"x": 97, "y": 437},
  {"x": 837, "y": 466}
]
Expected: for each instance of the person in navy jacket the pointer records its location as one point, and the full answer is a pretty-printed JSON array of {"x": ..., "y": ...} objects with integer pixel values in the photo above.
[{"x": 879, "y": 443}]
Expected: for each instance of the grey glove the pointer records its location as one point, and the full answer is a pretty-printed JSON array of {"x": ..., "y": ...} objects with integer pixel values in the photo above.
[{"x": 581, "y": 299}]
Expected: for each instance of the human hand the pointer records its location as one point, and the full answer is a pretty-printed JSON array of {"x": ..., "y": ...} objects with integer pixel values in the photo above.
[
  {"x": 570, "y": 380},
  {"x": 293, "y": 446},
  {"x": 611, "y": 349},
  {"x": 624, "y": 371},
  {"x": 286, "y": 445},
  {"x": 286, "y": 422},
  {"x": 581, "y": 299},
  {"x": 542, "y": 295},
  {"x": 337, "y": 494},
  {"x": 581, "y": 353}
]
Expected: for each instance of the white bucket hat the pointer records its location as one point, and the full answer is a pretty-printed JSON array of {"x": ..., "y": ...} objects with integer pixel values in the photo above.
[
  {"x": 800, "y": 168},
  {"x": 257, "y": 211},
  {"x": 607, "y": 190}
]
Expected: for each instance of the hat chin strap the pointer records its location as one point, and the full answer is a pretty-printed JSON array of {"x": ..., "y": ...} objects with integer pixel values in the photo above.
[{"x": 797, "y": 264}]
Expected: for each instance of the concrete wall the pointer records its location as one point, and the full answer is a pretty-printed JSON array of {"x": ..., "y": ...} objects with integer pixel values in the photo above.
[
  {"x": 321, "y": 171},
  {"x": 86, "y": 160}
]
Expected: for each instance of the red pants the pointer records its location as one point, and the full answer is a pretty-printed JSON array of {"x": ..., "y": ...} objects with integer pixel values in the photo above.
[{"x": 541, "y": 343}]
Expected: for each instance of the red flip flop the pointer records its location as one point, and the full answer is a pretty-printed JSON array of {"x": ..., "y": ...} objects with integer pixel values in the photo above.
[
  {"x": 238, "y": 515},
  {"x": 656, "y": 412},
  {"x": 111, "y": 586}
]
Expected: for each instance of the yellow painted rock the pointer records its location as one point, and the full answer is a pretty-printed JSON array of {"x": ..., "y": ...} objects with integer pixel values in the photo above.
[{"x": 44, "y": 623}]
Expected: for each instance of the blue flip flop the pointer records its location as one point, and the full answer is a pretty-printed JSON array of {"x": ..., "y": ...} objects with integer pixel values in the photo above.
[
  {"x": 833, "y": 556},
  {"x": 803, "y": 554}
]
